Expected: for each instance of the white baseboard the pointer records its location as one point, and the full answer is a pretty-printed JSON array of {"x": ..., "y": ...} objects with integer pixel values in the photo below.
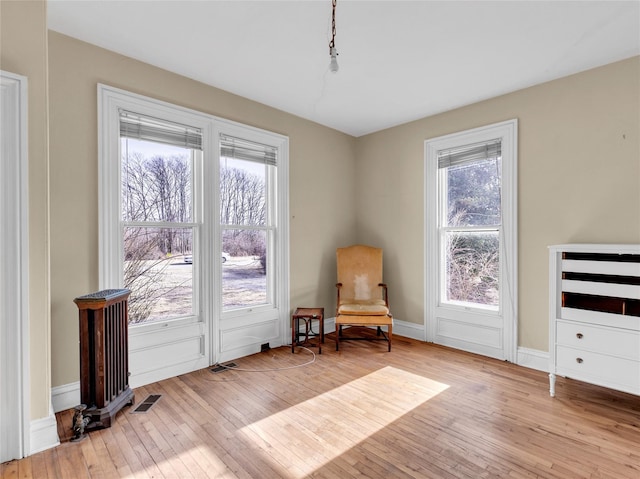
[
  {"x": 247, "y": 350},
  {"x": 329, "y": 325},
  {"x": 166, "y": 372},
  {"x": 528, "y": 358},
  {"x": 66, "y": 396},
  {"x": 533, "y": 358},
  {"x": 43, "y": 434},
  {"x": 409, "y": 330}
]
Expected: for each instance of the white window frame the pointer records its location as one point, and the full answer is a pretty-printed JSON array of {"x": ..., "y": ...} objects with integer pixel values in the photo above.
[
  {"x": 273, "y": 179},
  {"x": 268, "y": 321},
  {"x": 111, "y": 256},
  {"x": 443, "y": 229},
  {"x": 194, "y": 226},
  {"x": 206, "y": 324},
  {"x": 508, "y": 309}
]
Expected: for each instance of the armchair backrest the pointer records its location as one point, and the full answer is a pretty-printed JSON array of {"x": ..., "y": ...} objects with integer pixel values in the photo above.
[{"x": 360, "y": 272}]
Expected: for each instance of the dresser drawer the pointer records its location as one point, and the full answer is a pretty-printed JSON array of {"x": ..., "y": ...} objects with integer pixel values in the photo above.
[
  {"x": 599, "y": 339},
  {"x": 609, "y": 371}
]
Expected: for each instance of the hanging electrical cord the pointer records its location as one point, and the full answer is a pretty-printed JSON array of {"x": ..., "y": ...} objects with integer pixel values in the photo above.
[
  {"x": 266, "y": 370},
  {"x": 333, "y": 53}
]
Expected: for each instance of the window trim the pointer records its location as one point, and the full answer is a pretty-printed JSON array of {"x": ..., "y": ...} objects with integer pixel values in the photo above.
[
  {"x": 493, "y": 146},
  {"x": 507, "y": 132},
  {"x": 110, "y": 101},
  {"x": 279, "y": 224}
]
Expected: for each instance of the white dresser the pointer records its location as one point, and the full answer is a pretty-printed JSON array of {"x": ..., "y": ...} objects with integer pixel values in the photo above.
[{"x": 594, "y": 315}]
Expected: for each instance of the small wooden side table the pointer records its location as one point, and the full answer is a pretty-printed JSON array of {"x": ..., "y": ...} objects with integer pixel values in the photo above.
[{"x": 308, "y": 315}]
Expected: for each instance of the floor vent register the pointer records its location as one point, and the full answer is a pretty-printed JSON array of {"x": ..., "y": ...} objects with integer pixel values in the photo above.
[{"x": 145, "y": 405}]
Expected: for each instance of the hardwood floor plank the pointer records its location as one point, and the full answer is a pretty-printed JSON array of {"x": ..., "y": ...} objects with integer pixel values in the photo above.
[
  {"x": 25, "y": 469},
  {"x": 9, "y": 470},
  {"x": 190, "y": 453},
  {"x": 192, "y": 430},
  {"x": 421, "y": 411},
  {"x": 109, "y": 449},
  {"x": 218, "y": 435},
  {"x": 144, "y": 460},
  {"x": 50, "y": 462},
  {"x": 69, "y": 459}
]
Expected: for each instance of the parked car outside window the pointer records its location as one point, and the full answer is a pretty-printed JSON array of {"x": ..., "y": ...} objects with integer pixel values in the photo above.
[{"x": 189, "y": 258}]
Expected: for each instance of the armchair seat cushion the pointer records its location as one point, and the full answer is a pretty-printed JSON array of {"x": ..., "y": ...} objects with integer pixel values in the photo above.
[
  {"x": 363, "y": 308},
  {"x": 359, "y": 320}
]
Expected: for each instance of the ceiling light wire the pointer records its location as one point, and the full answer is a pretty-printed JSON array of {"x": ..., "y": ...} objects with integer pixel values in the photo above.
[{"x": 333, "y": 53}]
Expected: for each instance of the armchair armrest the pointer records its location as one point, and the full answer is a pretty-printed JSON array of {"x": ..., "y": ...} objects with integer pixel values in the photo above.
[{"x": 385, "y": 294}]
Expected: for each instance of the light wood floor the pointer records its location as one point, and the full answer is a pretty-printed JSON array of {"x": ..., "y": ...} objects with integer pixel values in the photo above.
[{"x": 419, "y": 411}]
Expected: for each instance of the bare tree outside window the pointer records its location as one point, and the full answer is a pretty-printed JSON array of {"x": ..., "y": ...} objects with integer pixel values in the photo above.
[
  {"x": 242, "y": 194},
  {"x": 473, "y": 266},
  {"x": 161, "y": 285},
  {"x": 157, "y": 196},
  {"x": 156, "y": 191},
  {"x": 472, "y": 232},
  {"x": 243, "y": 216}
]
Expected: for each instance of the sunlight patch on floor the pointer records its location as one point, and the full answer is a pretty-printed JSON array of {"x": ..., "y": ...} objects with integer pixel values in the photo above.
[{"x": 306, "y": 436}]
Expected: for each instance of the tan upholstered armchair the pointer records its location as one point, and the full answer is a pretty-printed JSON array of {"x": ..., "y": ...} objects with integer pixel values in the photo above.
[{"x": 362, "y": 296}]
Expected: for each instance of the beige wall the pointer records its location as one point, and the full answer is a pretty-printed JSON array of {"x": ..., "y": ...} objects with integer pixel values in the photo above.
[
  {"x": 579, "y": 169},
  {"x": 322, "y": 170},
  {"x": 23, "y": 50},
  {"x": 579, "y": 181}
]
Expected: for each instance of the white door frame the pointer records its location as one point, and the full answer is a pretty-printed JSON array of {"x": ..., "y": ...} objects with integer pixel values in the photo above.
[
  {"x": 14, "y": 285},
  {"x": 496, "y": 335}
]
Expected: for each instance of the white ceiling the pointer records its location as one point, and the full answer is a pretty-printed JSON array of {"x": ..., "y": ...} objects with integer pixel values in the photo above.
[{"x": 399, "y": 60}]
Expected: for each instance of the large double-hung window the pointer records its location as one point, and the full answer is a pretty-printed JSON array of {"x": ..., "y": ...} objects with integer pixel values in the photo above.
[
  {"x": 471, "y": 239},
  {"x": 193, "y": 220},
  {"x": 159, "y": 223},
  {"x": 470, "y": 221},
  {"x": 248, "y": 220}
]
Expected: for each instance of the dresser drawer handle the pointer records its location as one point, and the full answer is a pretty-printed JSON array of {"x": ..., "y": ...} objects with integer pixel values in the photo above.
[
  {"x": 579, "y": 336},
  {"x": 579, "y": 360}
]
